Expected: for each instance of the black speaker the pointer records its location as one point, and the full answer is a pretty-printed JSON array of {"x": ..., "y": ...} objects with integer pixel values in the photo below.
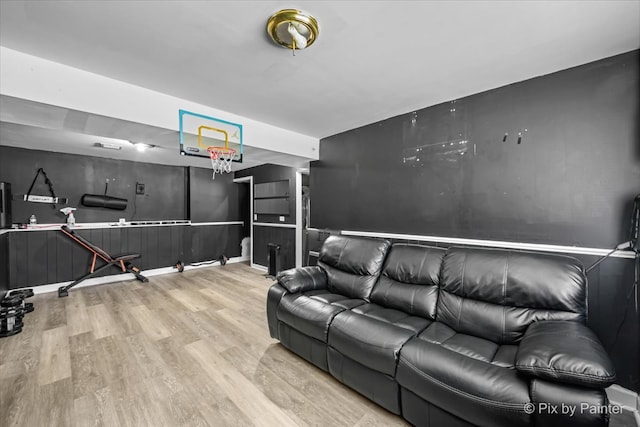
[
  {"x": 5, "y": 205},
  {"x": 273, "y": 257}
]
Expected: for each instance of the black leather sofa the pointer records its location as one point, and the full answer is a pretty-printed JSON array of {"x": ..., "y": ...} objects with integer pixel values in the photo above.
[{"x": 454, "y": 337}]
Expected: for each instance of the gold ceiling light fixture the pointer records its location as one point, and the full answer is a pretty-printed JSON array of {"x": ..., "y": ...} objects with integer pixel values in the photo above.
[{"x": 293, "y": 29}]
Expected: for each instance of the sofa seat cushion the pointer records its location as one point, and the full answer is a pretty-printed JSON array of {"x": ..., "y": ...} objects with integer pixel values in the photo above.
[
  {"x": 390, "y": 315},
  {"x": 373, "y": 336},
  {"x": 334, "y": 299},
  {"x": 312, "y": 312},
  {"x": 465, "y": 376},
  {"x": 470, "y": 346}
]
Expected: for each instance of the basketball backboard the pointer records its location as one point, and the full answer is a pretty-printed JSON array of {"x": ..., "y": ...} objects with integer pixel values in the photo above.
[{"x": 199, "y": 132}]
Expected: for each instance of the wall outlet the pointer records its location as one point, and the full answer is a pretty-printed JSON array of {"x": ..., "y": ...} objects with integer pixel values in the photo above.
[
  {"x": 139, "y": 188},
  {"x": 281, "y": 219}
]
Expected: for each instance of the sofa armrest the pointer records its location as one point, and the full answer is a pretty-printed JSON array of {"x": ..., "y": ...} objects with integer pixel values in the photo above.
[
  {"x": 564, "y": 351},
  {"x": 302, "y": 279}
]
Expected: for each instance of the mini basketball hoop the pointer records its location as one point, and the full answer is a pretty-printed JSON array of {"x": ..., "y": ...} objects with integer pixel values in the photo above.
[{"x": 221, "y": 158}]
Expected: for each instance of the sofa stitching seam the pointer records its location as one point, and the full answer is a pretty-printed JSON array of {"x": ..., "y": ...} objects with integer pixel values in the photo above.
[
  {"x": 512, "y": 406},
  {"x": 504, "y": 297},
  {"x": 587, "y": 377},
  {"x": 464, "y": 265}
]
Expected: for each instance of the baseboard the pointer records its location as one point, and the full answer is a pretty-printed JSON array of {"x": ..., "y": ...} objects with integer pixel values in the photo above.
[
  {"x": 260, "y": 267},
  {"x": 53, "y": 287},
  {"x": 629, "y": 400}
]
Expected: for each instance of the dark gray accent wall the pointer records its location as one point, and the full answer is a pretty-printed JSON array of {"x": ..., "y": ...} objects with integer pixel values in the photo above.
[
  {"x": 216, "y": 199},
  {"x": 171, "y": 192},
  {"x": 445, "y": 170},
  {"x": 74, "y": 175},
  {"x": 553, "y": 160}
]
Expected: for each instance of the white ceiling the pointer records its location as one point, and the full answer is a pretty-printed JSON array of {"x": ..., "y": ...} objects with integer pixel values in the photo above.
[
  {"x": 372, "y": 60},
  {"x": 32, "y": 125}
]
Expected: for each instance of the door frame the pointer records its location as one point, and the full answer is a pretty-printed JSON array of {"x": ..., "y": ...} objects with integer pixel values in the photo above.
[
  {"x": 299, "y": 221},
  {"x": 249, "y": 180}
]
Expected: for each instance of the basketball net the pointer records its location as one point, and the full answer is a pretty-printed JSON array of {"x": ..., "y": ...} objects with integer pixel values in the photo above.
[{"x": 221, "y": 158}]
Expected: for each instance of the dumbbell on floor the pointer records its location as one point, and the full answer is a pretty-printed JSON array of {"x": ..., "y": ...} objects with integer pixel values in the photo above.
[
  {"x": 16, "y": 299},
  {"x": 10, "y": 321},
  {"x": 24, "y": 293}
]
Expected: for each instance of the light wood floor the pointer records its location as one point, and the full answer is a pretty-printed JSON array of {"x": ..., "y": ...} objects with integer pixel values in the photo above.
[{"x": 190, "y": 349}]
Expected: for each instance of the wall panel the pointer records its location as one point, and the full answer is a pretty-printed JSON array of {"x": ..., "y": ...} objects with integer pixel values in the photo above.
[
  {"x": 284, "y": 237},
  {"x": 74, "y": 175},
  {"x": 445, "y": 170}
]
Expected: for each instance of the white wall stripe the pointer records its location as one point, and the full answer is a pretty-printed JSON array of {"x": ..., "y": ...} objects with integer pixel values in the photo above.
[
  {"x": 495, "y": 244},
  {"x": 115, "y": 225},
  {"x": 218, "y": 223},
  {"x": 273, "y": 224}
]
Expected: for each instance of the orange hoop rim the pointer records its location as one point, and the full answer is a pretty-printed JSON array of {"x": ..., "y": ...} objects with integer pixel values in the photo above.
[{"x": 216, "y": 152}]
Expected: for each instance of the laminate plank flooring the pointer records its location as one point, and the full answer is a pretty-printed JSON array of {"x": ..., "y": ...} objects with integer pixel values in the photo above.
[
  {"x": 55, "y": 361},
  {"x": 185, "y": 349}
]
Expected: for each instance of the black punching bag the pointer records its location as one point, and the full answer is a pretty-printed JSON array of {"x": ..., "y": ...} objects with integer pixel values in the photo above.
[{"x": 101, "y": 201}]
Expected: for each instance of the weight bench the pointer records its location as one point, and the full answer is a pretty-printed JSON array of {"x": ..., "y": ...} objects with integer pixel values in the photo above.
[{"x": 121, "y": 262}]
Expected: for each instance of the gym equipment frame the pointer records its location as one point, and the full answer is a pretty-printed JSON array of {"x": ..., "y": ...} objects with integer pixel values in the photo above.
[{"x": 121, "y": 262}]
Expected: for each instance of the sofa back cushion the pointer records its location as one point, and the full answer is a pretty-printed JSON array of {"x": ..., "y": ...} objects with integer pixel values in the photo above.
[
  {"x": 352, "y": 264},
  {"x": 410, "y": 279},
  {"x": 496, "y": 294}
]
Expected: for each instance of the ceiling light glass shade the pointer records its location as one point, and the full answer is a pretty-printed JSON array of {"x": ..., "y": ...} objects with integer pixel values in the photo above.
[{"x": 293, "y": 29}]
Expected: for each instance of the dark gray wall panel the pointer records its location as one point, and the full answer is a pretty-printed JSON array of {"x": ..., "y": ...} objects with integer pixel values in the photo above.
[
  {"x": 37, "y": 250},
  {"x": 209, "y": 242},
  {"x": 35, "y": 258},
  {"x": 272, "y": 189},
  {"x": 613, "y": 317},
  {"x": 271, "y": 206},
  {"x": 216, "y": 199},
  {"x": 180, "y": 244},
  {"x": 164, "y": 246},
  {"x": 74, "y": 175},
  {"x": 284, "y": 237},
  {"x": 568, "y": 182}
]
